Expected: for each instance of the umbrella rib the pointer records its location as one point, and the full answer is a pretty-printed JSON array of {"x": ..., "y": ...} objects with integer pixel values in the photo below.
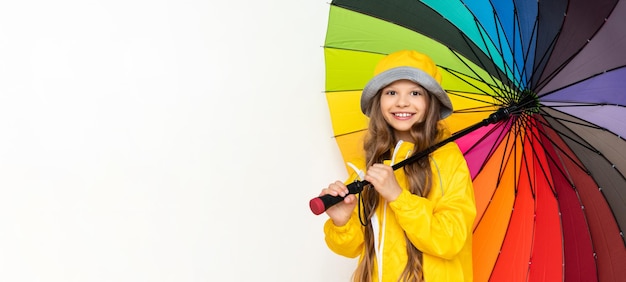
[
  {"x": 588, "y": 146},
  {"x": 500, "y": 48},
  {"x": 473, "y": 71},
  {"x": 557, "y": 165},
  {"x": 342, "y": 90},
  {"x": 496, "y": 20},
  {"x": 511, "y": 49},
  {"x": 518, "y": 134},
  {"x": 567, "y": 104},
  {"x": 351, "y": 132},
  {"x": 516, "y": 27},
  {"x": 543, "y": 170},
  {"x": 528, "y": 173},
  {"x": 588, "y": 125},
  {"x": 483, "y": 109},
  {"x": 473, "y": 99},
  {"x": 527, "y": 53},
  {"x": 492, "y": 150},
  {"x": 559, "y": 148},
  {"x": 352, "y": 49},
  {"x": 511, "y": 154},
  {"x": 579, "y": 123},
  {"x": 477, "y": 77},
  {"x": 562, "y": 134},
  {"x": 544, "y": 58},
  {"x": 482, "y": 37},
  {"x": 520, "y": 126},
  {"x": 454, "y": 73},
  {"x": 576, "y": 82}
]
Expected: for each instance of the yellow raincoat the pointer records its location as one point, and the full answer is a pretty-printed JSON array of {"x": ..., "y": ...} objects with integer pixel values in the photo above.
[{"x": 439, "y": 225}]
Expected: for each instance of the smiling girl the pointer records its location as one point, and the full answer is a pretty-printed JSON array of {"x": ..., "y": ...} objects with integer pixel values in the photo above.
[{"x": 415, "y": 224}]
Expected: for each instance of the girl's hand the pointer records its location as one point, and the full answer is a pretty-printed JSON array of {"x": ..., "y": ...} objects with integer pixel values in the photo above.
[
  {"x": 341, "y": 212},
  {"x": 384, "y": 181}
]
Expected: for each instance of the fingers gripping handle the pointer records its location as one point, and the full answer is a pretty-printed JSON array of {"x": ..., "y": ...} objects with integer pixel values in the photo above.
[{"x": 322, "y": 203}]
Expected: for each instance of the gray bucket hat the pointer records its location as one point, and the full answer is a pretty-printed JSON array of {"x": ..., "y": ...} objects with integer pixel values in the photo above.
[{"x": 402, "y": 65}]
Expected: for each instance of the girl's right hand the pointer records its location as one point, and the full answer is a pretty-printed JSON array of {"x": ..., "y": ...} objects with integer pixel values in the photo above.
[{"x": 341, "y": 212}]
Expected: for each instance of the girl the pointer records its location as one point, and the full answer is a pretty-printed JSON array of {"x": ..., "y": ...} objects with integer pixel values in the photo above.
[{"x": 415, "y": 223}]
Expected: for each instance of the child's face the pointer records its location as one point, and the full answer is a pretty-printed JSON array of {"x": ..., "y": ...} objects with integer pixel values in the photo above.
[{"x": 403, "y": 103}]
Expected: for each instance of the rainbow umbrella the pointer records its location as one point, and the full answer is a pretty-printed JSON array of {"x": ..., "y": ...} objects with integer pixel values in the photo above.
[{"x": 549, "y": 182}]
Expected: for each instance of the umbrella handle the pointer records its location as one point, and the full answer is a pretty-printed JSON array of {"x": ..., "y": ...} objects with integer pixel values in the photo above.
[{"x": 322, "y": 203}]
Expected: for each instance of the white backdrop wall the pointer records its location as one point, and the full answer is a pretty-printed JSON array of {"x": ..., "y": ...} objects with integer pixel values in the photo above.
[{"x": 164, "y": 141}]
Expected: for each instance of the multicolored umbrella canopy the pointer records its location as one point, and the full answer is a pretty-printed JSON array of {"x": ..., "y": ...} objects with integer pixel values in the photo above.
[{"x": 549, "y": 182}]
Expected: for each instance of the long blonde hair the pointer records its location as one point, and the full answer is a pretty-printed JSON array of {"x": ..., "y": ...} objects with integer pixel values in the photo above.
[{"x": 379, "y": 143}]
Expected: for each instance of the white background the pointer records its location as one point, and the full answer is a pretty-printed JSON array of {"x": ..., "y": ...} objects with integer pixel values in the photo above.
[{"x": 164, "y": 141}]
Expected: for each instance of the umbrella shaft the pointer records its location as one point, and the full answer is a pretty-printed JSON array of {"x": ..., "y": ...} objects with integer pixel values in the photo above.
[{"x": 493, "y": 118}]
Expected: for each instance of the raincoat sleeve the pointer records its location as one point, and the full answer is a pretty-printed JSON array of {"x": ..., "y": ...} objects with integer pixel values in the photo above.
[
  {"x": 345, "y": 240},
  {"x": 441, "y": 224}
]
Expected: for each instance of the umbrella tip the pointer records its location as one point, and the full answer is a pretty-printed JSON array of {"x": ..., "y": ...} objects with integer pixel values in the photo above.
[
  {"x": 525, "y": 102},
  {"x": 528, "y": 102}
]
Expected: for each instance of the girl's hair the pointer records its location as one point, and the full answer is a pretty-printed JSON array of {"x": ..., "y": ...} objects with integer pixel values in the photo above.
[{"x": 378, "y": 145}]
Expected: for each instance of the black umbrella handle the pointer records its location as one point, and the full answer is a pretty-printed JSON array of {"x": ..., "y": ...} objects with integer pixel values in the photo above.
[{"x": 322, "y": 203}]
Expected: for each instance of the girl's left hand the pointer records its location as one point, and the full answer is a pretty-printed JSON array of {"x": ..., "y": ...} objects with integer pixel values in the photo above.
[{"x": 384, "y": 181}]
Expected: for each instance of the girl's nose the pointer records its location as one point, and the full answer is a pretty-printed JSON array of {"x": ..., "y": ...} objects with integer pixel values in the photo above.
[{"x": 403, "y": 100}]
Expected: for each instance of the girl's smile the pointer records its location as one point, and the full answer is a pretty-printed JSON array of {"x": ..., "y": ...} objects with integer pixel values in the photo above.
[{"x": 403, "y": 116}]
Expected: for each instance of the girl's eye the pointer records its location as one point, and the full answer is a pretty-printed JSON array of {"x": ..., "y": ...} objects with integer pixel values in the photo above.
[
  {"x": 391, "y": 92},
  {"x": 416, "y": 93}
]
